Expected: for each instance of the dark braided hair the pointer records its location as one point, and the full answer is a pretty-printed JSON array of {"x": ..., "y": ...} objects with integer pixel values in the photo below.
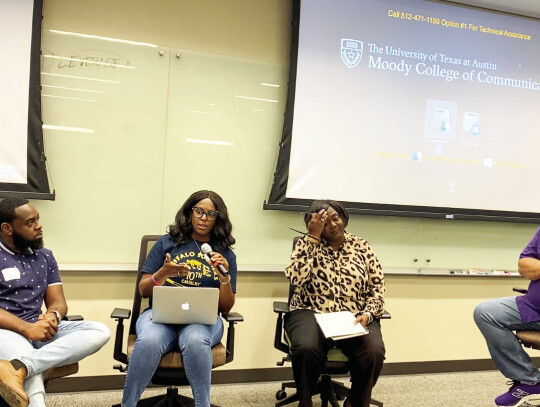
[{"x": 316, "y": 206}]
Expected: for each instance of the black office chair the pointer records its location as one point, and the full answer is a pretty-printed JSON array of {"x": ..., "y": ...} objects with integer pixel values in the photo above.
[
  {"x": 170, "y": 371},
  {"x": 336, "y": 364}
]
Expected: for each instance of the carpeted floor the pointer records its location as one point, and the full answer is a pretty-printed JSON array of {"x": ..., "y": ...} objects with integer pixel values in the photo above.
[{"x": 472, "y": 389}]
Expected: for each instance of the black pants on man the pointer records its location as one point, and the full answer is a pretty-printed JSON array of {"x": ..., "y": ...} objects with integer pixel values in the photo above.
[{"x": 309, "y": 348}]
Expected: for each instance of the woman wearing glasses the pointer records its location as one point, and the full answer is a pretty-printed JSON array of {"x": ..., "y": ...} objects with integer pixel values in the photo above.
[{"x": 177, "y": 260}]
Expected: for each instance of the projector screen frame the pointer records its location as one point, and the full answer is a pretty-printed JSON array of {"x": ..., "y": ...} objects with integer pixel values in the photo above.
[
  {"x": 277, "y": 199},
  {"x": 37, "y": 185}
]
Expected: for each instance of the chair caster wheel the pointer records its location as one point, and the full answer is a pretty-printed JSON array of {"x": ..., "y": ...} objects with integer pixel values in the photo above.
[{"x": 281, "y": 394}]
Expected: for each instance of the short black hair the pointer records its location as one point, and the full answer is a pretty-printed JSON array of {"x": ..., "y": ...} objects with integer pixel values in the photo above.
[
  {"x": 8, "y": 206},
  {"x": 316, "y": 206},
  {"x": 181, "y": 230}
]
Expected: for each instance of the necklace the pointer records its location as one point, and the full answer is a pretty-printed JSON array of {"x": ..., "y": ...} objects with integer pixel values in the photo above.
[
  {"x": 206, "y": 257},
  {"x": 196, "y": 244}
]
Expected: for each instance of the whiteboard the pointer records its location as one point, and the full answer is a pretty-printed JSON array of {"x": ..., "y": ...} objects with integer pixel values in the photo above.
[{"x": 131, "y": 130}]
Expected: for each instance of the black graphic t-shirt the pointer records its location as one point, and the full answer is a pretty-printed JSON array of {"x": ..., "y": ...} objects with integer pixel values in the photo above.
[{"x": 201, "y": 274}]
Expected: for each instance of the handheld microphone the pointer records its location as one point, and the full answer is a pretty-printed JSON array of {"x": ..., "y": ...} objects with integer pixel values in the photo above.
[{"x": 207, "y": 250}]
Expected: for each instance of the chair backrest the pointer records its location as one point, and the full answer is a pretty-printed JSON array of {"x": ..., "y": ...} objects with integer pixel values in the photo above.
[
  {"x": 139, "y": 303},
  {"x": 291, "y": 287}
]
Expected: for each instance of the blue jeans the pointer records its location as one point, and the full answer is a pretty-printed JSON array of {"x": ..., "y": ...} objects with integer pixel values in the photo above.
[
  {"x": 497, "y": 319},
  {"x": 195, "y": 342},
  {"x": 74, "y": 341}
]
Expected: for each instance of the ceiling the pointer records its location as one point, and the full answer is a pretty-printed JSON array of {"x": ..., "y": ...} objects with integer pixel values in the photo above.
[{"x": 525, "y": 7}]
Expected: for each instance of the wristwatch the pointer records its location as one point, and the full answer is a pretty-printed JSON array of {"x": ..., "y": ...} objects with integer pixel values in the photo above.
[{"x": 58, "y": 316}]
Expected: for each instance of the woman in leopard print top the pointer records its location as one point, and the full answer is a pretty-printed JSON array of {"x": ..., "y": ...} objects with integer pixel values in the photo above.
[{"x": 332, "y": 270}]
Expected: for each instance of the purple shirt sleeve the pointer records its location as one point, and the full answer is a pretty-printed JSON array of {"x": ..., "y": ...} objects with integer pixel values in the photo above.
[
  {"x": 533, "y": 248},
  {"x": 529, "y": 304}
]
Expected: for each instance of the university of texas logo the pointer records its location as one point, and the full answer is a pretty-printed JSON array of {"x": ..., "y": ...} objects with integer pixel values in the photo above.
[{"x": 351, "y": 52}]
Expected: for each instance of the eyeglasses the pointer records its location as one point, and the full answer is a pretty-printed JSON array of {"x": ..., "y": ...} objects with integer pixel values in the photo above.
[{"x": 200, "y": 212}]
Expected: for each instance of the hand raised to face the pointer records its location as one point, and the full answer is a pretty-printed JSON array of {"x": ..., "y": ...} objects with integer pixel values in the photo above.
[{"x": 317, "y": 222}]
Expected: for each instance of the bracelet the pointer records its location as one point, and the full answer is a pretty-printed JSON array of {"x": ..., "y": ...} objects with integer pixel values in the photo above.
[
  {"x": 369, "y": 315},
  {"x": 225, "y": 282},
  {"x": 154, "y": 280},
  {"x": 313, "y": 239}
]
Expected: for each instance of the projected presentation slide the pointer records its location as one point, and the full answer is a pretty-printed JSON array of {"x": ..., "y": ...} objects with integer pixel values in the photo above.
[
  {"x": 15, "y": 47},
  {"x": 416, "y": 103}
]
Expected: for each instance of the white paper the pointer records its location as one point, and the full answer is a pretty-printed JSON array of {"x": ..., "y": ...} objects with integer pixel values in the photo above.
[{"x": 340, "y": 325}]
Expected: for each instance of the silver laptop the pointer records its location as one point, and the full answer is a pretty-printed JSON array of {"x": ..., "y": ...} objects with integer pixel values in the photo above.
[{"x": 185, "y": 305}]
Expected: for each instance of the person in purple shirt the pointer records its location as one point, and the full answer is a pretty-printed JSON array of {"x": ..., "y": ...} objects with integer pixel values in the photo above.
[
  {"x": 498, "y": 318},
  {"x": 33, "y": 335}
]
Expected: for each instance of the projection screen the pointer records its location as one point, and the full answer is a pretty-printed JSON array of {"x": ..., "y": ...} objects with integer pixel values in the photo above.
[
  {"x": 22, "y": 161},
  {"x": 412, "y": 108}
]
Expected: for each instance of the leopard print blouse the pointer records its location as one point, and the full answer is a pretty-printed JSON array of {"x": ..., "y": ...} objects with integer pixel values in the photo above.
[{"x": 325, "y": 280}]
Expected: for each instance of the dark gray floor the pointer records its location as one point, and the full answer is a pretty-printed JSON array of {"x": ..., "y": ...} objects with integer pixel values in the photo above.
[{"x": 472, "y": 389}]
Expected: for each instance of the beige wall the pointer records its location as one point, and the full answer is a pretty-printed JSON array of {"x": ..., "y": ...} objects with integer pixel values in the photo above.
[
  {"x": 432, "y": 316},
  {"x": 257, "y": 29}
]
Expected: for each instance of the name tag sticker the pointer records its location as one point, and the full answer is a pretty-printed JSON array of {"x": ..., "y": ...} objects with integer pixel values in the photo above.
[{"x": 12, "y": 273}]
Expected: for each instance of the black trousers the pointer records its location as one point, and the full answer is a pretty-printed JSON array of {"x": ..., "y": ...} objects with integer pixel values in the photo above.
[{"x": 309, "y": 348}]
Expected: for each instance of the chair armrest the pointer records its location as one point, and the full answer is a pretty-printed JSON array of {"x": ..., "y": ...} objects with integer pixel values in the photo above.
[
  {"x": 121, "y": 313},
  {"x": 233, "y": 317},
  {"x": 385, "y": 315},
  {"x": 281, "y": 307},
  {"x": 520, "y": 290},
  {"x": 73, "y": 318}
]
